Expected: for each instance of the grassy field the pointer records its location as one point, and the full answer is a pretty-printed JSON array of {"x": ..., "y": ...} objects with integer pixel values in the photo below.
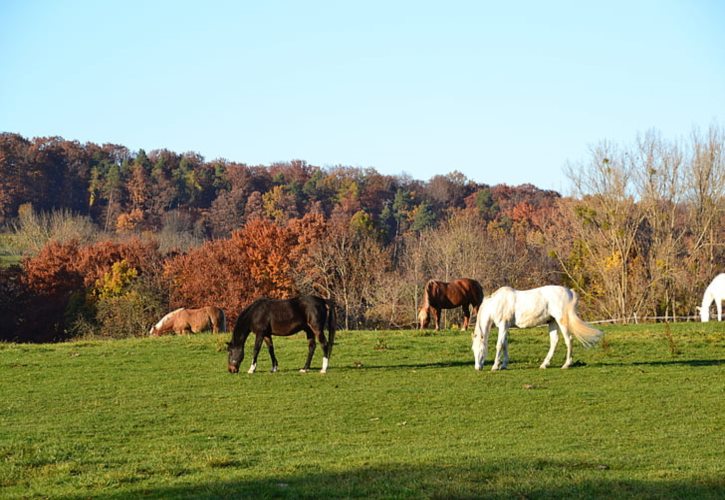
[{"x": 399, "y": 414}]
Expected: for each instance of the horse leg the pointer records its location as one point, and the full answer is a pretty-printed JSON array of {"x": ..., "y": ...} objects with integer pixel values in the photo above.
[
  {"x": 310, "y": 350},
  {"x": 718, "y": 305},
  {"x": 505, "y": 362},
  {"x": 500, "y": 345},
  {"x": 437, "y": 316},
  {"x": 320, "y": 335},
  {"x": 553, "y": 340},
  {"x": 270, "y": 348},
  {"x": 243, "y": 341},
  {"x": 567, "y": 341},
  {"x": 466, "y": 317},
  {"x": 257, "y": 346}
]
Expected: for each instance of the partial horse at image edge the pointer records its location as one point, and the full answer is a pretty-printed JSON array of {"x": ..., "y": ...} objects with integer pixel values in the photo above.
[
  {"x": 437, "y": 295},
  {"x": 715, "y": 292},
  {"x": 552, "y": 304},
  {"x": 183, "y": 320}
]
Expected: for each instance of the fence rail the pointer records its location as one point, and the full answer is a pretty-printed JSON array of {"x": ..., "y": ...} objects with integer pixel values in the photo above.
[{"x": 644, "y": 319}]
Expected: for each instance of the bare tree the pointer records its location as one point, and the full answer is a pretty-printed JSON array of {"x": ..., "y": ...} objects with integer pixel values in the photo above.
[{"x": 607, "y": 222}]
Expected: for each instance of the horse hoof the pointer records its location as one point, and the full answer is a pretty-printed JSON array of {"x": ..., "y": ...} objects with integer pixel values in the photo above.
[
  {"x": 323, "y": 371},
  {"x": 273, "y": 370},
  {"x": 302, "y": 370},
  {"x": 543, "y": 367}
]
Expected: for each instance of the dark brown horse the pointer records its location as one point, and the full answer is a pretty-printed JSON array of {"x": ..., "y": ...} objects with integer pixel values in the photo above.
[
  {"x": 267, "y": 317},
  {"x": 439, "y": 295}
]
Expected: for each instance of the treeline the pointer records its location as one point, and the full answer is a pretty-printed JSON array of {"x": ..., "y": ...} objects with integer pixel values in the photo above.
[
  {"x": 113, "y": 240},
  {"x": 125, "y": 192}
]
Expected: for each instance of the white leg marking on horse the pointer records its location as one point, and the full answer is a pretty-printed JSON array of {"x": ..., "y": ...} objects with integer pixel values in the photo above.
[
  {"x": 325, "y": 362},
  {"x": 252, "y": 368}
]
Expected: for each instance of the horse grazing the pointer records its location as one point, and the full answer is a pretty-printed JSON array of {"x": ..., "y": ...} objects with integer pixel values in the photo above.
[
  {"x": 715, "y": 292},
  {"x": 439, "y": 295},
  {"x": 555, "y": 305},
  {"x": 191, "y": 320},
  {"x": 267, "y": 317}
]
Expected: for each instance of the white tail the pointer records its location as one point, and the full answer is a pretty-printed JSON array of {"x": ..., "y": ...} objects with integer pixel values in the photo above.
[{"x": 584, "y": 333}]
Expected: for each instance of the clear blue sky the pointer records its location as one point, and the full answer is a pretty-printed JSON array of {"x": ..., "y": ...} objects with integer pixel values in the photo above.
[{"x": 505, "y": 92}]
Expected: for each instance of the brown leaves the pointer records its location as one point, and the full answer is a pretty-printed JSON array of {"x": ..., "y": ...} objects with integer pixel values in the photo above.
[{"x": 258, "y": 260}]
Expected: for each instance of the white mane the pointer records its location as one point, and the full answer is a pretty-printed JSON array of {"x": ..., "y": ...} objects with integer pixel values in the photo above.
[{"x": 163, "y": 320}]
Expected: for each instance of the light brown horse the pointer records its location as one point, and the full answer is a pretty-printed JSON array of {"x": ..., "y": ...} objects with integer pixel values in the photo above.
[
  {"x": 191, "y": 320},
  {"x": 439, "y": 295}
]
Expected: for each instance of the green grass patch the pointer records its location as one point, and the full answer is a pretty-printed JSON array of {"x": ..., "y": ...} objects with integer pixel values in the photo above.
[
  {"x": 8, "y": 256},
  {"x": 10, "y": 260},
  {"x": 399, "y": 414}
]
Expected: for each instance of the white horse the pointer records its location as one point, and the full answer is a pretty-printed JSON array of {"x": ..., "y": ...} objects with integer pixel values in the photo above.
[
  {"x": 714, "y": 292},
  {"x": 506, "y": 307}
]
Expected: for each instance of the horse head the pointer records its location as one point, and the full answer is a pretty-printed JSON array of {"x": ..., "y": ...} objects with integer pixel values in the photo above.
[
  {"x": 234, "y": 358},
  {"x": 704, "y": 313},
  {"x": 423, "y": 318},
  {"x": 158, "y": 328}
]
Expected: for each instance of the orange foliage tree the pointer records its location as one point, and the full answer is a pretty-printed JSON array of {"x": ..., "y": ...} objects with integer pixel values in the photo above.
[
  {"x": 259, "y": 260},
  {"x": 62, "y": 271}
]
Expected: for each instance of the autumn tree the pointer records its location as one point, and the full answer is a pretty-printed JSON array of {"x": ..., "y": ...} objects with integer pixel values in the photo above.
[
  {"x": 14, "y": 184},
  {"x": 231, "y": 273},
  {"x": 347, "y": 263},
  {"x": 645, "y": 225}
]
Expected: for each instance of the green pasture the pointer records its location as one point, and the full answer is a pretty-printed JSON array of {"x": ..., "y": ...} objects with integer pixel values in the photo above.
[{"x": 399, "y": 414}]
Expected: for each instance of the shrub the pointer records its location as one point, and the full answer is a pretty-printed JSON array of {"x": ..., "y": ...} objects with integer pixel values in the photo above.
[
  {"x": 69, "y": 286},
  {"x": 34, "y": 230}
]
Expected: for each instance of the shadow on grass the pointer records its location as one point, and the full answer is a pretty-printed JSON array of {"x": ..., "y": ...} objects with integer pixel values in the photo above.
[
  {"x": 504, "y": 479},
  {"x": 411, "y": 366},
  {"x": 512, "y": 365},
  {"x": 683, "y": 362}
]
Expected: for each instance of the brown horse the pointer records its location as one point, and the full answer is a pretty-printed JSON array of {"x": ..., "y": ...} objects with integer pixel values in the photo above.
[
  {"x": 267, "y": 317},
  {"x": 439, "y": 295},
  {"x": 191, "y": 320}
]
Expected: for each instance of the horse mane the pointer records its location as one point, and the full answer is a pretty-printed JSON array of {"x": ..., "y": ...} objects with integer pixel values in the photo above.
[
  {"x": 428, "y": 290},
  {"x": 167, "y": 316},
  {"x": 243, "y": 317},
  {"x": 247, "y": 309}
]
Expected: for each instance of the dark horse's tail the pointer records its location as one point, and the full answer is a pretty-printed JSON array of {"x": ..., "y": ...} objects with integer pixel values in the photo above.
[
  {"x": 222, "y": 322},
  {"x": 331, "y": 325},
  {"x": 478, "y": 295}
]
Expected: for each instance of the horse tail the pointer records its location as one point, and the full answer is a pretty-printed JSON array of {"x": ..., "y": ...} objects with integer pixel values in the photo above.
[
  {"x": 585, "y": 333},
  {"x": 331, "y": 325},
  {"x": 479, "y": 294},
  {"x": 427, "y": 290},
  {"x": 222, "y": 321}
]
